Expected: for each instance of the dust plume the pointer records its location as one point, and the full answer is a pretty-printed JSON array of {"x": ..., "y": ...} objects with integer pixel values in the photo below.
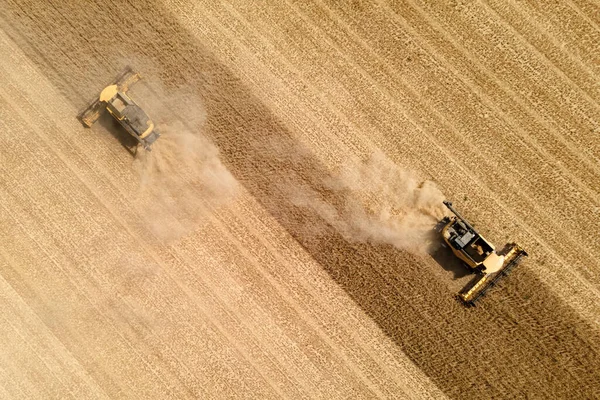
[
  {"x": 182, "y": 180},
  {"x": 378, "y": 201}
]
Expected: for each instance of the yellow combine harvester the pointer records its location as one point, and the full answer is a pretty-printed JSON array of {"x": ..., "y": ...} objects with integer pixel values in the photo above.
[
  {"x": 478, "y": 254},
  {"x": 114, "y": 98}
]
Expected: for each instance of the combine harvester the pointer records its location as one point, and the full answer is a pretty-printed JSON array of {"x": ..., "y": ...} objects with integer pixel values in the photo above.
[
  {"x": 479, "y": 255},
  {"x": 114, "y": 98}
]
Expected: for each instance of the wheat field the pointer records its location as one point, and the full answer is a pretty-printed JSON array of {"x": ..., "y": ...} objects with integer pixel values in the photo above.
[{"x": 277, "y": 241}]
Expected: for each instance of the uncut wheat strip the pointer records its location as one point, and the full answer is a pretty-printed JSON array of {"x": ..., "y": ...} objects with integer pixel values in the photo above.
[
  {"x": 591, "y": 302},
  {"x": 47, "y": 347}
]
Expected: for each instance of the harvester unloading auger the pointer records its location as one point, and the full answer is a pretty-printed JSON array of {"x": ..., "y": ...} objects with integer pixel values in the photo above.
[
  {"x": 114, "y": 98},
  {"x": 478, "y": 254}
]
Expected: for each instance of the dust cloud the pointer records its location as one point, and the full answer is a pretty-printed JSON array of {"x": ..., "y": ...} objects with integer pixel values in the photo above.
[
  {"x": 182, "y": 180},
  {"x": 378, "y": 202}
]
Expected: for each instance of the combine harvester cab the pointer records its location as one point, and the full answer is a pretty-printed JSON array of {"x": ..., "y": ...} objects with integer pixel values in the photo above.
[
  {"x": 478, "y": 255},
  {"x": 114, "y": 98}
]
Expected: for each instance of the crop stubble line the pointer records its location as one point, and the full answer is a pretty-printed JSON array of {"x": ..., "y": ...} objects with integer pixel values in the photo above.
[
  {"x": 494, "y": 12},
  {"x": 81, "y": 291},
  {"x": 503, "y": 207},
  {"x": 83, "y": 377},
  {"x": 6, "y": 378},
  {"x": 4, "y": 393},
  {"x": 524, "y": 135},
  {"x": 554, "y": 97},
  {"x": 57, "y": 265},
  {"x": 74, "y": 363},
  {"x": 579, "y": 11},
  {"x": 577, "y": 31},
  {"x": 28, "y": 345},
  {"x": 97, "y": 197}
]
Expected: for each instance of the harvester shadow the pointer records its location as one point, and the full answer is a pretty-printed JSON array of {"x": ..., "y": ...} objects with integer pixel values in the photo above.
[
  {"x": 460, "y": 350},
  {"x": 115, "y": 129},
  {"x": 444, "y": 257}
]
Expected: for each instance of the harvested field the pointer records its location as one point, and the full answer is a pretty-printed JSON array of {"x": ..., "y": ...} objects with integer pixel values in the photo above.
[{"x": 234, "y": 261}]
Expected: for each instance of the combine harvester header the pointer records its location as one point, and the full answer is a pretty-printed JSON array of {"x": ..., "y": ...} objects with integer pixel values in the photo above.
[{"x": 478, "y": 255}]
